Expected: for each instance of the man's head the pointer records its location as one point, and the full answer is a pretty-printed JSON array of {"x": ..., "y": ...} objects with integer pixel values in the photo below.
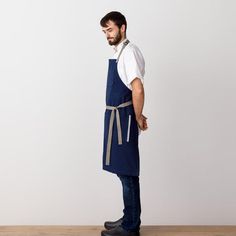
[{"x": 114, "y": 25}]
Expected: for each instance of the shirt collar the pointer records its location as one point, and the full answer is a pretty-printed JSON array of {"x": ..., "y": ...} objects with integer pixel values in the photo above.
[{"x": 119, "y": 46}]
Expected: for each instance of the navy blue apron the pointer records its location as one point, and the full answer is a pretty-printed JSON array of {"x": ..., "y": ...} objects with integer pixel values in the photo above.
[{"x": 121, "y": 131}]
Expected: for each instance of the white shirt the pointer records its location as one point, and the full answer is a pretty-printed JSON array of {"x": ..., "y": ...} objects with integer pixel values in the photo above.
[{"x": 131, "y": 63}]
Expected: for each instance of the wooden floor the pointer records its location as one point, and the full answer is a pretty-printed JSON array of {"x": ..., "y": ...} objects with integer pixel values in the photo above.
[{"x": 96, "y": 230}]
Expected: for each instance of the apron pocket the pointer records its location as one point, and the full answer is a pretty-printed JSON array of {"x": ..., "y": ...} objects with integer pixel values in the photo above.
[{"x": 128, "y": 130}]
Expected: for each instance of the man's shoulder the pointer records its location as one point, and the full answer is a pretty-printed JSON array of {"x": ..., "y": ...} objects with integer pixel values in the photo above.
[
  {"x": 132, "y": 47},
  {"x": 133, "y": 50}
]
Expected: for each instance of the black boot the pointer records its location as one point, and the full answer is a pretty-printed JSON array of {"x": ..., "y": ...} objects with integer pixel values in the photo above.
[
  {"x": 112, "y": 224},
  {"x": 119, "y": 231}
]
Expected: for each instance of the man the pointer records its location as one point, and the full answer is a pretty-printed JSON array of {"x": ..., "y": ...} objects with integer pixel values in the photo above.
[{"x": 124, "y": 105}]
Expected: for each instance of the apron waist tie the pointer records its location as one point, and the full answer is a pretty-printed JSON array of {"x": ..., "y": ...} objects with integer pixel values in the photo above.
[{"x": 112, "y": 117}]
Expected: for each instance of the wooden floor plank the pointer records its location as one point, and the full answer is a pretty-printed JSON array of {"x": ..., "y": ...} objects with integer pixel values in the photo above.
[{"x": 146, "y": 230}]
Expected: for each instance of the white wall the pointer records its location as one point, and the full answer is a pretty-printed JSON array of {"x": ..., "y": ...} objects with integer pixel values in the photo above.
[{"x": 53, "y": 64}]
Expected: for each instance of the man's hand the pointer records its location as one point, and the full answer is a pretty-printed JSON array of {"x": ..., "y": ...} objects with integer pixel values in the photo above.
[{"x": 142, "y": 122}]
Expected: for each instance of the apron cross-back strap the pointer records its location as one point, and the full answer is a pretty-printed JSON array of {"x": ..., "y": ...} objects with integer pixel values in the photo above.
[
  {"x": 124, "y": 45},
  {"x": 119, "y": 131}
]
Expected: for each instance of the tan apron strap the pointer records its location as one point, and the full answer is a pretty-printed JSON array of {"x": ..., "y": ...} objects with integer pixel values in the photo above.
[
  {"x": 119, "y": 131},
  {"x": 124, "y": 45}
]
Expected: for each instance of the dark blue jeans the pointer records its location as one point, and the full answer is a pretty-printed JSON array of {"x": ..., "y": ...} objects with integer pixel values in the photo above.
[{"x": 132, "y": 205}]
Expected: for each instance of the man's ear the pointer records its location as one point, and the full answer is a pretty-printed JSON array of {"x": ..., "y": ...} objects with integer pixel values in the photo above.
[{"x": 122, "y": 28}]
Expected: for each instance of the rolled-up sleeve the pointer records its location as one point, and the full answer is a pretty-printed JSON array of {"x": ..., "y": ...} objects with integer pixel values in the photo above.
[{"x": 134, "y": 65}]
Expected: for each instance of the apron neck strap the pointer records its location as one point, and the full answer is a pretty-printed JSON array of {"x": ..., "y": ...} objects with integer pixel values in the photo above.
[{"x": 124, "y": 45}]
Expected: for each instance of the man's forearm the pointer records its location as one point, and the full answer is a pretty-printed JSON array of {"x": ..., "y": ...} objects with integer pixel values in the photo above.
[{"x": 138, "y": 101}]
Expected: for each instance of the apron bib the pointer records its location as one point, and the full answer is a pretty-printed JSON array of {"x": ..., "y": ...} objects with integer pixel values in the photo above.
[{"x": 121, "y": 131}]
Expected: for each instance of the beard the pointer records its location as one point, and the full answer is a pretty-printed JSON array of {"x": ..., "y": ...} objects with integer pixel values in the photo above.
[{"x": 116, "y": 39}]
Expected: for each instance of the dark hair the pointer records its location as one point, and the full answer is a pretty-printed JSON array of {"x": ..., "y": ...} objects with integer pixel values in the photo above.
[{"x": 116, "y": 17}]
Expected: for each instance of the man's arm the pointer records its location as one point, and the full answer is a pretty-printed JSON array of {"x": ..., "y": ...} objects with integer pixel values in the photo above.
[
  {"x": 138, "y": 102},
  {"x": 137, "y": 97}
]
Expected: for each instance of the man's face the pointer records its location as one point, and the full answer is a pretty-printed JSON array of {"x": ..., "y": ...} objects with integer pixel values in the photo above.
[{"x": 113, "y": 33}]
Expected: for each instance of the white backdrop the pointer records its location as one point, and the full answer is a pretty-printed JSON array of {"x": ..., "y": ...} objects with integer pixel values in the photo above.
[{"x": 53, "y": 65}]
